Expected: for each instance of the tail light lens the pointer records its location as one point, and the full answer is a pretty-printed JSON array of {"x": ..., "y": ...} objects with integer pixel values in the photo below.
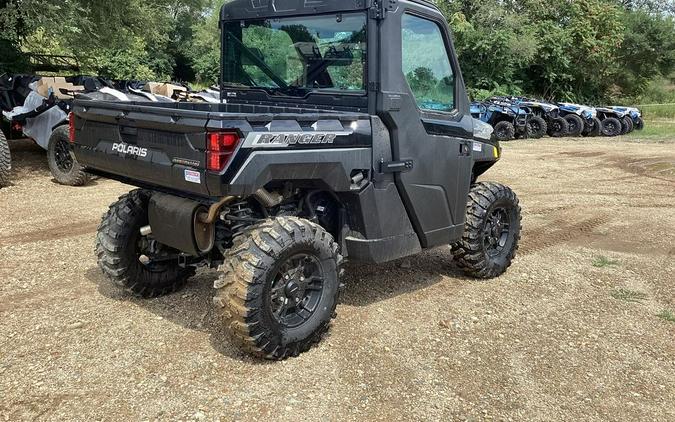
[
  {"x": 220, "y": 149},
  {"x": 71, "y": 127}
]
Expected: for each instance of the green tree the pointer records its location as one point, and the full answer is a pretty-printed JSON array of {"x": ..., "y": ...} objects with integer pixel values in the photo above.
[
  {"x": 120, "y": 37},
  {"x": 205, "y": 51}
]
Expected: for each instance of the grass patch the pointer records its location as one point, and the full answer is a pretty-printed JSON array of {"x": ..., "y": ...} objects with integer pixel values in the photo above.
[
  {"x": 667, "y": 316},
  {"x": 603, "y": 262},
  {"x": 658, "y": 111},
  {"x": 659, "y": 122},
  {"x": 627, "y": 295},
  {"x": 663, "y": 128}
]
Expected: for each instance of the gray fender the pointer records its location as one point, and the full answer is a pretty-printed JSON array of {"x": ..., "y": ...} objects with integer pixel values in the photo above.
[{"x": 332, "y": 167}]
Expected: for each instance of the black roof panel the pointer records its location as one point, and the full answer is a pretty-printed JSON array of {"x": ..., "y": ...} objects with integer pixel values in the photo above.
[
  {"x": 251, "y": 9},
  {"x": 248, "y": 9}
]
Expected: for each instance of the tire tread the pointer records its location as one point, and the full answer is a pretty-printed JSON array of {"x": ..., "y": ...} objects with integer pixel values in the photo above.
[
  {"x": 77, "y": 176},
  {"x": 5, "y": 161},
  {"x": 112, "y": 252},
  {"x": 243, "y": 277},
  {"x": 468, "y": 252}
]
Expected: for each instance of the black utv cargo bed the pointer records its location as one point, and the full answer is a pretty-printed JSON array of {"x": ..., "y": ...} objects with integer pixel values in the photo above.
[{"x": 164, "y": 145}]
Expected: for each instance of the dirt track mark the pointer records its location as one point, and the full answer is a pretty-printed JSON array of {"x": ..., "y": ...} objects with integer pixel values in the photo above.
[
  {"x": 652, "y": 167},
  {"x": 74, "y": 229},
  {"x": 583, "y": 154},
  {"x": 612, "y": 194},
  {"x": 536, "y": 240}
]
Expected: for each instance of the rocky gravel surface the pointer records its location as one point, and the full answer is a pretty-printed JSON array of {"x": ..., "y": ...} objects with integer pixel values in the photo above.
[{"x": 576, "y": 330}]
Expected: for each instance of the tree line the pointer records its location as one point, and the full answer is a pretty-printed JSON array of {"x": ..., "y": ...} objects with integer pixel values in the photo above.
[{"x": 586, "y": 51}]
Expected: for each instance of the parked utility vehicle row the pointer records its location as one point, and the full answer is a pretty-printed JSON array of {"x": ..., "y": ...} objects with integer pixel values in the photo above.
[{"x": 521, "y": 117}]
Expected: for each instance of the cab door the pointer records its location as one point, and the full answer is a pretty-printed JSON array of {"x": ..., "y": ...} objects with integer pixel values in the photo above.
[{"x": 424, "y": 105}]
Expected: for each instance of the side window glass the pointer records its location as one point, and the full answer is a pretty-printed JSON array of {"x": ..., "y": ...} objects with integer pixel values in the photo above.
[{"x": 426, "y": 65}]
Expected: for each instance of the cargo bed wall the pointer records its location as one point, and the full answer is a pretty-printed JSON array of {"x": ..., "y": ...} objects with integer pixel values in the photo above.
[
  {"x": 214, "y": 108},
  {"x": 164, "y": 144}
]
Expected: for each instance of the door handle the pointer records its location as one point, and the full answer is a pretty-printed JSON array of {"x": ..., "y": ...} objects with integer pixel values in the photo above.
[
  {"x": 464, "y": 149},
  {"x": 396, "y": 166}
]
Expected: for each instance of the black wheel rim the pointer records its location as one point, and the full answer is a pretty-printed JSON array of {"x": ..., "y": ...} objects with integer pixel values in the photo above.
[
  {"x": 64, "y": 161},
  {"x": 503, "y": 133},
  {"x": 535, "y": 126},
  {"x": 496, "y": 232},
  {"x": 297, "y": 289}
]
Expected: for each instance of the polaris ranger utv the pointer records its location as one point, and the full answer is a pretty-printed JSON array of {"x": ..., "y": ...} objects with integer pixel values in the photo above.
[{"x": 344, "y": 132}]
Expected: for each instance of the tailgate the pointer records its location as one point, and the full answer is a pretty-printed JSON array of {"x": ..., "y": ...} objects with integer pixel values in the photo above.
[{"x": 162, "y": 146}]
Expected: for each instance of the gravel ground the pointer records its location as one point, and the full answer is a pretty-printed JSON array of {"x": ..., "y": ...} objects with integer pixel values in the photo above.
[{"x": 571, "y": 332}]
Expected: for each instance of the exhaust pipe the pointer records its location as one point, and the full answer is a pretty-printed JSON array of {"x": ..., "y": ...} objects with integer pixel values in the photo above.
[
  {"x": 182, "y": 223},
  {"x": 267, "y": 198},
  {"x": 212, "y": 215},
  {"x": 146, "y": 231}
]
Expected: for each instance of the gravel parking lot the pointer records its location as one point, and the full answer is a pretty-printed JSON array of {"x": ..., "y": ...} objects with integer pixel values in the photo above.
[{"x": 581, "y": 328}]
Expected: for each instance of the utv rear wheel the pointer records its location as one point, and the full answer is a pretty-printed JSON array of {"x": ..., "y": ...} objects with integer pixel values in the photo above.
[
  {"x": 504, "y": 131},
  {"x": 627, "y": 125},
  {"x": 558, "y": 127},
  {"x": 492, "y": 231},
  {"x": 62, "y": 164},
  {"x": 5, "y": 161},
  {"x": 611, "y": 126},
  {"x": 538, "y": 127},
  {"x": 639, "y": 123},
  {"x": 132, "y": 261},
  {"x": 596, "y": 128},
  {"x": 279, "y": 286},
  {"x": 575, "y": 125}
]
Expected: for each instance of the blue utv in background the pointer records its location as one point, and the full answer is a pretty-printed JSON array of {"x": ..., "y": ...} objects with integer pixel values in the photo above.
[
  {"x": 509, "y": 121},
  {"x": 614, "y": 122},
  {"x": 545, "y": 118},
  {"x": 633, "y": 113},
  {"x": 582, "y": 119}
]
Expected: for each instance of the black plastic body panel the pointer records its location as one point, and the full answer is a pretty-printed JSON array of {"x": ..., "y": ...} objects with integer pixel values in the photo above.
[
  {"x": 384, "y": 231},
  {"x": 440, "y": 144},
  {"x": 330, "y": 168}
]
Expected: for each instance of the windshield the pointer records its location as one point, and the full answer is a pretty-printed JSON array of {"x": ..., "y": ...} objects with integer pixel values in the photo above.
[{"x": 296, "y": 56}]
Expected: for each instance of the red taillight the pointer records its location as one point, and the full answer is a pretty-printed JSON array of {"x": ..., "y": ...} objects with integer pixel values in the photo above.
[
  {"x": 71, "y": 127},
  {"x": 220, "y": 148}
]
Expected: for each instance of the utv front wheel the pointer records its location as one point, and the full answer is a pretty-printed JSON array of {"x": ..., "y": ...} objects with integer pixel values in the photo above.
[
  {"x": 639, "y": 123},
  {"x": 492, "y": 231},
  {"x": 558, "y": 127},
  {"x": 5, "y": 161},
  {"x": 504, "y": 131},
  {"x": 134, "y": 262},
  {"x": 538, "y": 127},
  {"x": 62, "y": 164},
  {"x": 611, "y": 126},
  {"x": 575, "y": 125},
  {"x": 279, "y": 286}
]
